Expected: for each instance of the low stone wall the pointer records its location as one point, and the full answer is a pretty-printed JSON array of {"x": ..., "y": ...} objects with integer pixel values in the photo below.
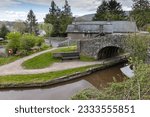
[{"x": 62, "y": 79}]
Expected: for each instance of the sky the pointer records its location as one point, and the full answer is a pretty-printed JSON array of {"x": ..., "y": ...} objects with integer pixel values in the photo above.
[{"x": 12, "y": 10}]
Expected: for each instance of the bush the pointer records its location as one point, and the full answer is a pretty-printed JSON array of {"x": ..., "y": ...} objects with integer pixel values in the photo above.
[
  {"x": 39, "y": 41},
  {"x": 28, "y": 42},
  {"x": 23, "y": 44},
  {"x": 44, "y": 46},
  {"x": 14, "y": 41},
  {"x": 23, "y": 53}
]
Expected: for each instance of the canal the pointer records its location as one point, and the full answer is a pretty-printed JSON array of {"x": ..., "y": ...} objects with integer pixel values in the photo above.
[{"x": 64, "y": 91}]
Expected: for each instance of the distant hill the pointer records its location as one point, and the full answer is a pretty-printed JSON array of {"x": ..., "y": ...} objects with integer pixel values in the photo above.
[
  {"x": 89, "y": 17},
  {"x": 8, "y": 24}
]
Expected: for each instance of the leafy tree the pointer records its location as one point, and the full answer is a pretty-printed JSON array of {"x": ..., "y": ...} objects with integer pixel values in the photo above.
[
  {"x": 141, "y": 12},
  {"x": 47, "y": 28},
  {"x": 20, "y": 26},
  {"x": 14, "y": 41},
  {"x": 31, "y": 22},
  {"x": 141, "y": 4},
  {"x": 111, "y": 10},
  {"x": 138, "y": 46},
  {"x": 3, "y": 31},
  {"x": 27, "y": 42}
]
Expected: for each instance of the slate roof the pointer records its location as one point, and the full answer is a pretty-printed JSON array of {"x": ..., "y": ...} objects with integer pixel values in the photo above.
[{"x": 108, "y": 27}]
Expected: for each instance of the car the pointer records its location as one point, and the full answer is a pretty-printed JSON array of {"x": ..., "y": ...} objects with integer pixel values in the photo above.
[{"x": 1, "y": 39}]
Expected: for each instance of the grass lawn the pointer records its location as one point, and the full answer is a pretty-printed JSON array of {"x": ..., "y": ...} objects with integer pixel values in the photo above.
[
  {"x": 46, "y": 59},
  {"x": 36, "y": 78},
  {"x": 6, "y": 60},
  {"x": 87, "y": 59}
]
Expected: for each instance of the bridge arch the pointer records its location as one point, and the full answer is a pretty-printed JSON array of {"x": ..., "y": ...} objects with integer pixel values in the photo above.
[{"x": 108, "y": 52}]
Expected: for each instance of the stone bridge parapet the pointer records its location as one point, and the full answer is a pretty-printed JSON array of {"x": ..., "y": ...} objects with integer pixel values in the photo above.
[{"x": 92, "y": 47}]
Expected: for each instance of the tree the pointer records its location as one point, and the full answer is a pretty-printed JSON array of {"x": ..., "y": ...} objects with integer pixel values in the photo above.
[
  {"x": 20, "y": 26},
  {"x": 31, "y": 22},
  {"x": 3, "y": 31},
  {"x": 102, "y": 11},
  {"x": 141, "y": 12},
  {"x": 67, "y": 9},
  {"x": 141, "y": 4},
  {"x": 47, "y": 28},
  {"x": 53, "y": 17},
  {"x": 138, "y": 46},
  {"x": 59, "y": 19},
  {"x": 66, "y": 17},
  {"x": 14, "y": 41},
  {"x": 111, "y": 10},
  {"x": 27, "y": 42}
]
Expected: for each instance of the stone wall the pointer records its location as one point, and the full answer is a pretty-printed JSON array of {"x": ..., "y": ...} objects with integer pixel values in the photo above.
[{"x": 91, "y": 47}]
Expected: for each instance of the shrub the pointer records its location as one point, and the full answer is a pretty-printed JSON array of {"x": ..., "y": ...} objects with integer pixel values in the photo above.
[
  {"x": 27, "y": 42},
  {"x": 39, "y": 41},
  {"x": 44, "y": 46},
  {"x": 23, "y": 53},
  {"x": 14, "y": 41}
]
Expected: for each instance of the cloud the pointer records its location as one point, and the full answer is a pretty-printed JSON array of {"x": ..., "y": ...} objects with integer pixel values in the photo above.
[
  {"x": 79, "y": 7},
  {"x": 5, "y": 3},
  {"x": 19, "y": 15}
]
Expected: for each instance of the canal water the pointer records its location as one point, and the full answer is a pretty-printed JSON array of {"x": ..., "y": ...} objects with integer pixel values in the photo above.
[{"x": 64, "y": 91}]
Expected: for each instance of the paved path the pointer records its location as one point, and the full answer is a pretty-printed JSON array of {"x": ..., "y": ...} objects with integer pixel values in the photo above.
[{"x": 16, "y": 68}]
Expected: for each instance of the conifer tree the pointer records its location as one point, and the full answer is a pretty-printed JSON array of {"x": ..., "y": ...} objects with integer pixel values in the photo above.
[
  {"x": 110, "y": 10},
  {"x": 31, "y": 22},
  {"x": 59, "y": 18},
  {"x": 3, "y": 31}
]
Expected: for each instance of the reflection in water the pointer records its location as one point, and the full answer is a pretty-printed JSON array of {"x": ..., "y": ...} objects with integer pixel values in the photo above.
[
  {"x": 64, "y": 90},
  {"x": 100, "y": 79}
]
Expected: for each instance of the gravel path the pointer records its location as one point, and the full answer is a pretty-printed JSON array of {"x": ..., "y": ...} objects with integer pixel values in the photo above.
[{"x": 15, "y": 68}]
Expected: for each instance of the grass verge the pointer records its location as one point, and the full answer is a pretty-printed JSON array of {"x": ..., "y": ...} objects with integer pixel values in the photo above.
[
  {"x": 38, "y": 78},
  {"x": 6, "y": 60},
  {"x": 87, "y": 59},
  {"x": 46, "y": 59}
]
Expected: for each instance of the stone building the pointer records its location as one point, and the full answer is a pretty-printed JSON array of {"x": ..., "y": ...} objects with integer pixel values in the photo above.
[{"x": 93, "y": 29}]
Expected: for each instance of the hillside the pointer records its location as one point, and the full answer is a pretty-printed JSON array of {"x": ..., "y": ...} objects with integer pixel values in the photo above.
[{"x": 89, "y": 17}]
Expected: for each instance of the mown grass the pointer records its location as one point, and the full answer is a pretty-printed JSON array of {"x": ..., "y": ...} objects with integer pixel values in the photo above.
[
  {"x": 6, "y": 60},
  {"x": 41, "y": 61},
  {"x": 87, "y": 58},
  {"x": 36, "y": 78},
  {"x": 46, "y": 59}
]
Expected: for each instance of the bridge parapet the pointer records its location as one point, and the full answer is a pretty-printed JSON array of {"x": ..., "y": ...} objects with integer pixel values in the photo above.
[{"x": 92, "y": 47}]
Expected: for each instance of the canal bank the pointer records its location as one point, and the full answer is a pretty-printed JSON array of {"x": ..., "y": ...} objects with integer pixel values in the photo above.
[
  {"x": 105, "y": 65},
  {"x": 65, "y": 90}
]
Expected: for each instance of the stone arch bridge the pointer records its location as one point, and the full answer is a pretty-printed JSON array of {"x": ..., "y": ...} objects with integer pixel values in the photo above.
[{"x": 102, "y": 47}]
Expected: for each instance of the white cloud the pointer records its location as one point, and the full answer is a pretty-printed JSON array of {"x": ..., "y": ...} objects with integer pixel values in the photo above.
[
  {"x": 19, "y": 15},
  {"x": 79, "y": 7}
]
